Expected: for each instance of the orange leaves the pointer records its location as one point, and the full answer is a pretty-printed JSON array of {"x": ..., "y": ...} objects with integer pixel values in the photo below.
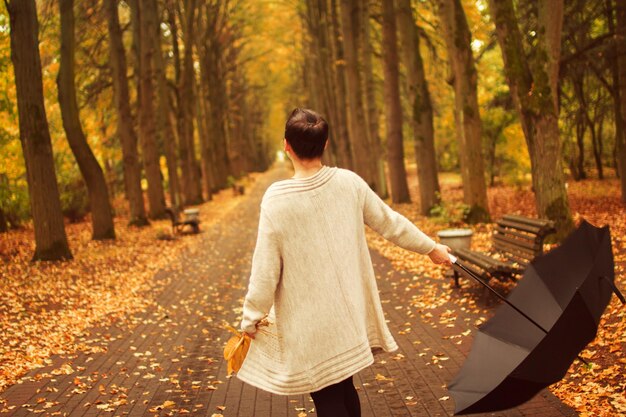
[
  {"x": 165, "y": 405},
  {"x": 237, "y": 346},
  {"x": 236, "y": 350},
  {"x": 48, "y": 308}
]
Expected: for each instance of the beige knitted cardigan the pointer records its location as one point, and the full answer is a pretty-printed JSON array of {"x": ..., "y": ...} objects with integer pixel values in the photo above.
[{"x": 312, "y": 273}]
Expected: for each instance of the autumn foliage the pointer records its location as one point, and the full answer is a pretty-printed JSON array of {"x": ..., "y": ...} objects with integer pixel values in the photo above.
[{"x": 236, "y": 350}]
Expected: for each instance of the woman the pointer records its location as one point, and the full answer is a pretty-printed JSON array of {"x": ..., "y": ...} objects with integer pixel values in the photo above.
[{"x": 312, "y": 277}]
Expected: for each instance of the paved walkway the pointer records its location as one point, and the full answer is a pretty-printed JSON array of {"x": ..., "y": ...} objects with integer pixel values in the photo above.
[{"x": 170, "y": 362}]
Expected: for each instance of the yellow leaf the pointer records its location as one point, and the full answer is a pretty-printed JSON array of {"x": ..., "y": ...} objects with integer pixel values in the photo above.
[{"x": 235, "y": 352}]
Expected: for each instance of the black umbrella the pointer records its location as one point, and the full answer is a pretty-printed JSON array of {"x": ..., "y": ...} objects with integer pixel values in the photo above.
[{"x": 551, "y": 315}]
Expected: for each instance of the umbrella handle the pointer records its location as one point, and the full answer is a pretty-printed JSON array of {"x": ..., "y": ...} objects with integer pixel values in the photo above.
[
  {"x": 469, "y": 272},
  {"x": 614, "y": 288}
]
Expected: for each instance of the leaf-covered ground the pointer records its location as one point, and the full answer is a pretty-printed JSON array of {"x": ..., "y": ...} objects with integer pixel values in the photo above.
[
  {"x": 598, "y": 390},
  {"x": 46, "y": 308}
]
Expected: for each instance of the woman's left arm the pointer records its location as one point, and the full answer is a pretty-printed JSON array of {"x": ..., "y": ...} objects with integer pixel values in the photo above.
[{"x": 264, "y": 278}]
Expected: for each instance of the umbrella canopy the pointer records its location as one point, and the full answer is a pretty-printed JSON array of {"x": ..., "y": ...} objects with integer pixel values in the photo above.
[{"x": 551, "y": 315}]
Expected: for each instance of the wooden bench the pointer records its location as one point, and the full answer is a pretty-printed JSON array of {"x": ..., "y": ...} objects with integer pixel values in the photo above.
[
  {"x": 178, "y": 225},
  {"x": 517, "y": 240}
]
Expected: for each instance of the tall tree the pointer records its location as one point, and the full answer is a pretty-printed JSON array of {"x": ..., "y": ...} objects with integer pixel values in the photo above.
[
  {"x": 144, "y": 20},
  {"x": 211, "y": 54},
  {"x": 393, "y": 108},
  {"x": 458, "y": 40},
  {"x": 341, "y": 129},
  {"x": 101, "y": 212},
  {"x": 322, "y": 79},
  {"x": 533, "y": 83},
  {"x": 421, "y": 119},
  {"x": 50, "y": 238},
  {"x": 165, "y": 128},
  {"x": 192, "y": 193},
  {"x": 205, "y": 121},
  {"x": 621, "y": 87},
  {"x": 124, "y": 126},
  {"x": 371, "y": 106},
  {"x": 206, "y": 145},
  {"x": 350, "y": 15}
]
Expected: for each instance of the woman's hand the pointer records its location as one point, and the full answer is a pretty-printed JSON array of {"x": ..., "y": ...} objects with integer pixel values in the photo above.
[{"x": 439, "y": 254}]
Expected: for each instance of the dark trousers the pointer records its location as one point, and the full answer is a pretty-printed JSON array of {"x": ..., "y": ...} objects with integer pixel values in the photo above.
[{"x": 338, "y": 400}]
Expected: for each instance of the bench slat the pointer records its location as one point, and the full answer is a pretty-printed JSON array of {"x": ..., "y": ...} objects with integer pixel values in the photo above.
[
  {"x": 520, "y": 226},
  {"x": 522, "y": 235},
  {"x": 514, "y": 250},
  {"x": 531, "y": 246},
  {"x": 542, "y": 223},
  {"x": 488, "y": 263},
  {"x": 522, "y": 263}
]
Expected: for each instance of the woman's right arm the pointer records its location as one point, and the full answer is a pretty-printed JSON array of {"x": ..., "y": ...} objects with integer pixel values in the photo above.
[{"x": 398, "y": 229}]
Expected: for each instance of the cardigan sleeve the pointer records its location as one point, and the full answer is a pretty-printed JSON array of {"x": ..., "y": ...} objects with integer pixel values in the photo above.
[
  {"x": 265, "y": 275},
  {"x": 392, "y": 225}
]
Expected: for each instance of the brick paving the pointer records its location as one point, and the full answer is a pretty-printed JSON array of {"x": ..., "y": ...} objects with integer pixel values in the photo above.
[{"x": 169, "y": 361}]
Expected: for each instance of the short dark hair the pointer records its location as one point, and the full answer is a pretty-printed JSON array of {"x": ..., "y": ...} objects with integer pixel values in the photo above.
[{"x": 307, "y": 133}]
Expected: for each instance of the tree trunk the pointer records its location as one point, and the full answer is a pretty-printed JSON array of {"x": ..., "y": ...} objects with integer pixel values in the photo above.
[
  {"x": 192, "y": 193},
  {"x": 341, "y": 130},
  {"x": 125, "y": 130},
  {"x": 369, "y": 88},
  {"x": 393, "y": 108},
  {"x": 596, "y": 144},
  {"x": 581, "y": 127},
  {"x": 621, "y": 87},
  {"x": 4, "y": 188},
  {"x": 422, "y": 110},
  {"x": 205, "y": 123},
  {"x": 50, "y": 238},
  {"x": 237, "y": 146},
  {"x": 538, "y": 112},
  {"x": 206, "y": 154},
  {"x": 467, "y": 117},
  {"x": 326, "y": 66},
  {"x": 218, "y": 103},
  {"x": 165, "y": 128},
  {"x": 4, "y": 226},
  {"x": 320, "y": 81},
  {"x": 101, "y": 213},
  {"x": 202, "y": 97},
  {"x": 356, "y": 109},
  {"x": 135, "y": 48},
  {"x": 147, "y": 120}
]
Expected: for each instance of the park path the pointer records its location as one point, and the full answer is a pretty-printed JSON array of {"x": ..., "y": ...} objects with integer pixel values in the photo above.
[{"x": 170, "y": 361}]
